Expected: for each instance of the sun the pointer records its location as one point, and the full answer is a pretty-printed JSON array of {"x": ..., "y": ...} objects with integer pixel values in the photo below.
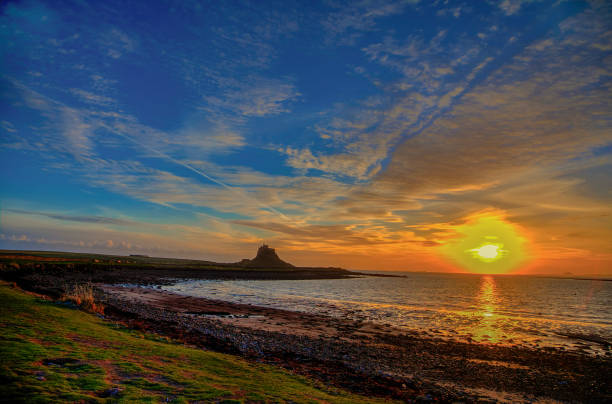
[
  {"x": 486, "y": 244},
  {"x": 488, "y": 252}
]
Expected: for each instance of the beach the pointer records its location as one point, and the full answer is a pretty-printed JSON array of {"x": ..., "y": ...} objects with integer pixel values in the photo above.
[
  {"x": 360, "y": 354},
  {"x": 53, "y": 352},
  {"x": 364, "y": 357}
]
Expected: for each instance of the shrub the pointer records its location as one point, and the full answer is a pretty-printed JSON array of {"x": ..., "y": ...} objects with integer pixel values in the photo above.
[{"x": 82, "y": 295}]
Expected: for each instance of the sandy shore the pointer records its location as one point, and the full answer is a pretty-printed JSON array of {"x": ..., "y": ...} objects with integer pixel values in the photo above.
[{"x": 365, "y": 357}]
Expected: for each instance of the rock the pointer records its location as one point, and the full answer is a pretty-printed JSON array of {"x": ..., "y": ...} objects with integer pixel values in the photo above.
[
  {"x": 59, "y": 361},
  {"x": 266, "y": 258},
  {"x": 114, "y": 392}
]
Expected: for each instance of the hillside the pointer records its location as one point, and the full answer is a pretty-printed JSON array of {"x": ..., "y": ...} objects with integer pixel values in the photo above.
[{"x": 54, "y": 353}]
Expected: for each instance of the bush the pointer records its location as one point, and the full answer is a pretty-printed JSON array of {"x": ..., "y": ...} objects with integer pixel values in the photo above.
[{"x": 82, "y": 295}]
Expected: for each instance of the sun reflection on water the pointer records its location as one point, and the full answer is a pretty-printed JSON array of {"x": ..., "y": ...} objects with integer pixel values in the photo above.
[{"x": 487, "y": 301}]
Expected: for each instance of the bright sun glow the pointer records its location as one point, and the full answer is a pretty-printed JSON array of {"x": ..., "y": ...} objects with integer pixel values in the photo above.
[
  {"x": 486, "y": 243},
  {"x": 488, "y": 251}
]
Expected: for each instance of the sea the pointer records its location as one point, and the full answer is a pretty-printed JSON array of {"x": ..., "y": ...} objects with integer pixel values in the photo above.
[{"x": 531, "y": 311}]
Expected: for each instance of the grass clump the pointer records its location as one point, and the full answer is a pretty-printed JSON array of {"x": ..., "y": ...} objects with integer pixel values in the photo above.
[
  {"x": 82, "y": 295},
  {"x": 50, "y": 353}
]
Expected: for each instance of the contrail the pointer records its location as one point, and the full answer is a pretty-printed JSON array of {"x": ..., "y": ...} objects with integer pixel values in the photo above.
[{"x": 203, "y": 174}]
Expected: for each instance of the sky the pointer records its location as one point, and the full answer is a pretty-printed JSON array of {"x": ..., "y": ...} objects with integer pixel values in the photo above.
[{"x": 360, "y": 134}]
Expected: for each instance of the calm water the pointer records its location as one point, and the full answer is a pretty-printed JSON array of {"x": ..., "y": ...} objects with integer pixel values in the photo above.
[{"x": 490, "y": 309}]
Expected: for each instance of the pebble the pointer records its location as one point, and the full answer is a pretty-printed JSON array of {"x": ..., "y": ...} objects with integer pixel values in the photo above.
[
  {"x": 112, "y": 392},
  {"x": 395, "y": 359}
]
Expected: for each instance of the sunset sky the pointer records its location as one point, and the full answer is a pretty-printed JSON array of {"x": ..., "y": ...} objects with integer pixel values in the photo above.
[{"x": 362, "y": 134}]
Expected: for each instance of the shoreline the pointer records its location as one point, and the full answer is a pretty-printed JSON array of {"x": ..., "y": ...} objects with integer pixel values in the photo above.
[
  {"x": 53, "y": 352},
  {"x": 365, "y": 358},
  {"x": 392, "y": 362}
]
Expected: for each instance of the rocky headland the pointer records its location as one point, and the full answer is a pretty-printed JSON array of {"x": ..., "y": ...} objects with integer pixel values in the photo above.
[{"x": 266, "y": 258}]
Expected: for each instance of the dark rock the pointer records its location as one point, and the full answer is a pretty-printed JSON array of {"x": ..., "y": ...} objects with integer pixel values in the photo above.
[
  {"x": 114, "y": 392},
  {"x": 209, "y": 313},
  {"x": 60, "y": 361},
  {"x": 68, "y": 304},
  {"x": 266, "y": 258}
]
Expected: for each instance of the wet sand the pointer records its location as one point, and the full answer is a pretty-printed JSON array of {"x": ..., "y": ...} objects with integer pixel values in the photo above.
[{"x": 365, "y": 357}]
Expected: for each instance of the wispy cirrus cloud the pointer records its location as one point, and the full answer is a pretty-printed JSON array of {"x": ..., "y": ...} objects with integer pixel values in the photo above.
[
  {"x": 92, "y": 98},
  {"x": 495, "y": 126},
  {"x": 339, "y": 236},
  {"x": 62, "y": 128},
  {"x": 75, "y": 218},
  {"x": 356, "y": 165},
  {"x": 8, "y": 126},
  {"x": 455, "y": 12},
  {"x": 434, "y": 72},
  {"x": 508, "y": 143},
  {"x": 116, "y": 43},
  {"x": 510, "y": 7},
  {"x": 28, "y": 229},
  {"x": 260, "y": 97},
  {"x": 352, "y": 19}
]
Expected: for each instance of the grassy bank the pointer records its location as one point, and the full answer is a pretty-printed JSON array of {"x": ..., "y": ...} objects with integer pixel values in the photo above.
[{"x": 54, "y": 353}]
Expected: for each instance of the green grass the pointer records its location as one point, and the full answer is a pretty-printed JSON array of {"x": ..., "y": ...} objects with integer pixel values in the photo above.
[{"x": 145, "y": 367}]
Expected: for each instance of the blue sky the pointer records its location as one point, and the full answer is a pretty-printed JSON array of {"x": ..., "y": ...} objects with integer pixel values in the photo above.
[{"x": 357, "y": 134}]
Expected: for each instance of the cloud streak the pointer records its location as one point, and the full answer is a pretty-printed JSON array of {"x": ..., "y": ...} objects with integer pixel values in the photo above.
[{"x": 78, "y": 219}]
